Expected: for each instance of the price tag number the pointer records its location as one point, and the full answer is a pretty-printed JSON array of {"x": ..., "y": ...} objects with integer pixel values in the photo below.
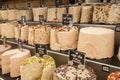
[{"x": 105, "y": 68}]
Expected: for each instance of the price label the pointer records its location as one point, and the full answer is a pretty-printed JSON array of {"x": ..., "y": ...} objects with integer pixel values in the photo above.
[
  {"x": 76, "y": 58},
  {"x": 41, "y": 3},
  {"x": 40, "y": 50},
  {"x": 117, "y": 29},
  {"x": 6, "y": 7},
  {"x": 105, "y": 68},
  {"x": 58, "y": 2},
  {"x": 4, "y": 41},
  {"x": 41, "y": 19},
  {"x": 20, "y": 45},
  {"x": 67, "y": 19},
  {"x": 23, "y": 20}
]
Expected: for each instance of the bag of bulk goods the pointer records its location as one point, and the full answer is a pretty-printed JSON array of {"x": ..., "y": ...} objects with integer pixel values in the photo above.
[
  {"x": 86, "y": 15},
  {"x": 97, "y": 43},
  {"x": 52, "y": 14},
  {"x": 100, "y": 13},
  {"x": 3, "y": 15},
  {"x": 60, "y": 12},
  {"x": 38, "y": 68},
  {"x": 11, "y": 61},
  {"x": 70, "y": 72},
  {"x": 39, "y": 11},
  {"x": 3, "y": 48},
  {"x": 63, "y": 38},
  {"x": 7, "y": 29},
  {"x": 76, "y": 12},
  {"x": 12, "y": 14},
  {"x": 31, "y": 35},
  {"x": 55, "y": 14},
  {"x": 39, "y": 34},
  {"x": 114, "y": 14},
  {"x": 42, "y": 34},
  {"x": 26, "y": 13},
  {"x": 21, "y": 32}
]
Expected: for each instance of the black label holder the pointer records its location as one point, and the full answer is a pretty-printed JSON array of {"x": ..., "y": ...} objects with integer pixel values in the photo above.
[
  {"x": 77, "y": 59},
  {"x": 117, "y": 28},
  {"x": 41, "y": 19},
  {"x": 23, "y": 20},
  {"x": 41, "y": 3},
  {"x": 40, "y": 50},
  {"x": 4, "y": 41},
  {"x": 67, "y": 19},
  {"x": 20, "y": 45},
  {"x": 58, "y": 2}
]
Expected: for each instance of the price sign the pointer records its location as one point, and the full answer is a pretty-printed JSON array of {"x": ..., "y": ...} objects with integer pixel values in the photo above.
[
  {"x": 23, "y": 20},
  {"x": 41, "y": 3},
  {"x": 117, "y": 29},
  {"x": 67, "y": 19},
  {"x": 4, "y": 41},
  {"x": 40, "y": 50},
  {"x": 77, "y": 58},
  {"x": 41, "y": 19},
  {"x": 58, "y": 2},
  {"x": 105, "y": 68},
  {"x": 20, "y": 45},
  {"x": 6, "y": 7}
]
